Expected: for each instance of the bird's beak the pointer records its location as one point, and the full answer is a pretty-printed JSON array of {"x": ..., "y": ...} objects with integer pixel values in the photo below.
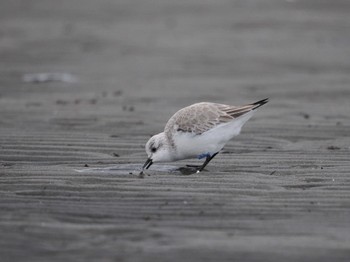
[{"x": 148, "y": 163}]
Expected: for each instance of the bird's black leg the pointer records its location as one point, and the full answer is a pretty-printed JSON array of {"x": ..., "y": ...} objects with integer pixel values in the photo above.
[{"x": 206, "y": 162}]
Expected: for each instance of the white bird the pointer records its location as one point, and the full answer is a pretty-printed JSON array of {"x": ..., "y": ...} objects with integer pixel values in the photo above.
[{"x": 200, "y": 130}]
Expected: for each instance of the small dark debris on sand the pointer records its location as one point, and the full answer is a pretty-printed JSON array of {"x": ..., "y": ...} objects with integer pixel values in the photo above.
[
  {"x": 333, "y": 148},
  {"x": 305, "y": 115},
  {"x": 128, "y": 108},
  {"x": 118, "y": 93}
]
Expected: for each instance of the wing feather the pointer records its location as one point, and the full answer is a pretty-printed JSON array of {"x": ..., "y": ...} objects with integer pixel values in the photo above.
[{"x": 201, "y": 117}]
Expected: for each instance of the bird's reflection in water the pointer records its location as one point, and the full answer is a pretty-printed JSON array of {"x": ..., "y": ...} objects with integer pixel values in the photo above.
[{"x": 188, "y": 170}]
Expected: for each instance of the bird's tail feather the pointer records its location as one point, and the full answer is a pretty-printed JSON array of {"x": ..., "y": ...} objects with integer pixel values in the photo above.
[{"x": 260, "y": 103}]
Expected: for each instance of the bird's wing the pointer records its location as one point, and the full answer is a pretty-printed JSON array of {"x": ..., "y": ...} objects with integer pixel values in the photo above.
[{"x": 201, "y": 117}]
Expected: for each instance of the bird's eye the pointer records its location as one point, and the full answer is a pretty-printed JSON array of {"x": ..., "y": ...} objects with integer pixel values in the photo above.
[{"x": 153, "y": 149}]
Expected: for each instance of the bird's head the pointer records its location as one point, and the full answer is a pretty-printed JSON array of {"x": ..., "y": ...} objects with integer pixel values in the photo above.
[{"x": 157, "y": 149}]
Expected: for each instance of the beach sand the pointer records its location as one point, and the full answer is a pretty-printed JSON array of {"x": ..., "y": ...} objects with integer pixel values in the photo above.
[{"x": 71, "y": 151}]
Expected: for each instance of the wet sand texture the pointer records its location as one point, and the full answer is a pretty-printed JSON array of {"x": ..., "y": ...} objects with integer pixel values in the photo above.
[{"x": 278, "y": 192}]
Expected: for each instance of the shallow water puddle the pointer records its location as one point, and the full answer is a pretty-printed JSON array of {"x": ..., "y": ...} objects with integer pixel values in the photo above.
[{"x": 123, "y": 169}]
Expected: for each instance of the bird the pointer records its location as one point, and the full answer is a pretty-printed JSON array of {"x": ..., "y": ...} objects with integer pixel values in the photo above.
[{"x": 200, "y": 131}]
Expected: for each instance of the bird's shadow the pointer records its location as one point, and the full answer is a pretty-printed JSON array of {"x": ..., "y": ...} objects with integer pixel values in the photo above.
[{"x": 188, "y": 170}]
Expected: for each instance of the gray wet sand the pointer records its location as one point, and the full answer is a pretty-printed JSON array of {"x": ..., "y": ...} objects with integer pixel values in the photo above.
[{"x": 278, "y": 192}]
